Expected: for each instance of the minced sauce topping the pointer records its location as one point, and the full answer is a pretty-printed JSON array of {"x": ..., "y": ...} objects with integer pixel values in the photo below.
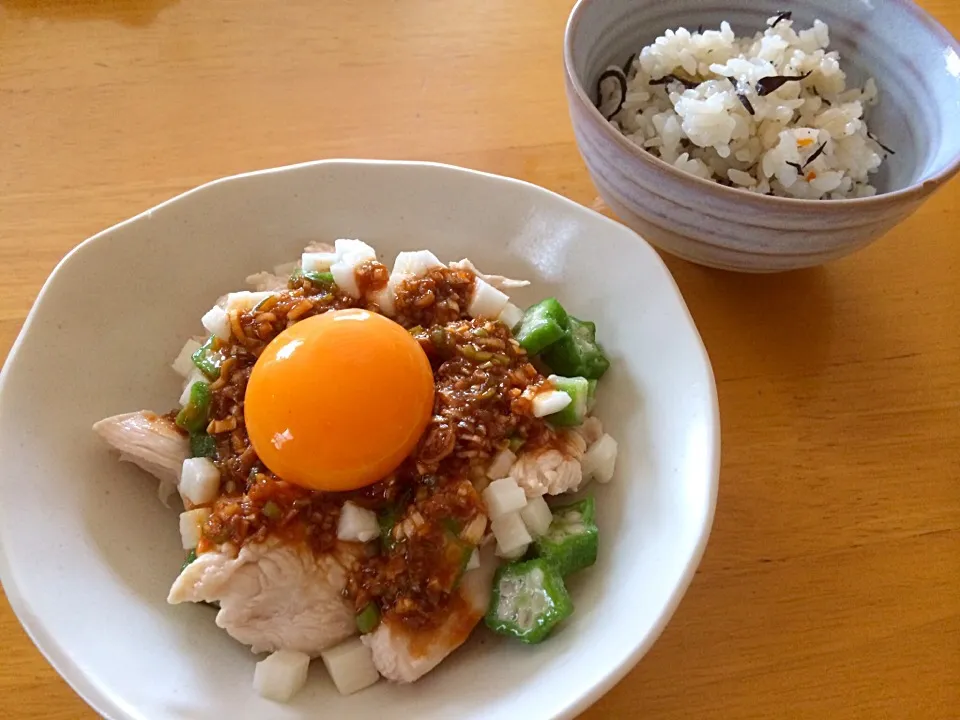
[{"x": 437, "y": 517}]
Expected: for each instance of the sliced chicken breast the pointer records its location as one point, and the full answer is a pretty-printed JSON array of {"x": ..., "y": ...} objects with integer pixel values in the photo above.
[
  {"x": 273, "y": 596},
  {"x": 405, "y": 655},
  {"x": 498, "y": 281},
  {"x": 150, "y": 442},
  {"x": 551, "y": 470}
]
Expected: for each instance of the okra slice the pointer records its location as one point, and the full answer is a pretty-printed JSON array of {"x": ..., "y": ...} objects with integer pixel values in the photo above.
[
  {"x": 542, "y": 325},
  {"x": 193, "y": 416},
  {"x": 202, "y": 445},
  {"x": 578, "y": 388},
  {"x": 368, "y": 619},
  {"x": 577, "y": 352},
  {"x": 571, "y": 541},
  {"x": 209, "y": 358},
  {"x": 529, "y": 599}
]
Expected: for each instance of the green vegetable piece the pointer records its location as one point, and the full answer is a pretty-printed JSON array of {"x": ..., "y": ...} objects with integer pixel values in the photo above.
[
  {"x": 543, "y": 324},
  {"x": 591, "y": 395},
  {"x": 191, "y": 556},
  {"x": 209, "y": 358},
  {"x": 194, "y": 415},
  {"x": 452, "y": 526},
  {"x": 202, "y": 445},
  {"x": 577, "y": 352},
  {"x": 320, "y": 279},
  {"x": 529, "y": 599},
  {"x": 368, "y": 619},
  {"x": 458, "y": 552},
  {"x": 570, "y": 543},
  {"x": 271, "y": 510},
  {"x": 516, "y": 442},
  {"x": 387, "y": 520},
  {"x": 578, "y": 389}
]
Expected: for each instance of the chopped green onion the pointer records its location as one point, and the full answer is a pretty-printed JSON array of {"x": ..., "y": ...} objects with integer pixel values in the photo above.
[
  {"x": 571, "y": 541},
  {"x": 387, "y": 520},
  {"x": 577, "y": 352},
  {"x": 202, "y": 445},
  {"x": 516, "y": 442},
  {"x": 440, "y": 339},
  {"x": 543, "y": 324},
  {"x": 194, "y": 415},
  {"x": 191, "y": 556},
  {"x": 578, "y": 389},
  {"x": 452, "y": 526},
  {"x": 320, "y": 279},
  {"x": 529, "y": 600},
  {"x": 475, "y": 354},
  {"x": 368, "y": 619},
  {"x": 271, "y": 510},
  {"x": 209, "y": 358}
]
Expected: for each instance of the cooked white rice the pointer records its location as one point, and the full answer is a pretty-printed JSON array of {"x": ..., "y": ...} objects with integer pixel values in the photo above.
[{"x": 708, "y": 131}]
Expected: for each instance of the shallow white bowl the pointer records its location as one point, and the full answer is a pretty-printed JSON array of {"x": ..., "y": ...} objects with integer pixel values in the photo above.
[{"x": 88, "y": 553}]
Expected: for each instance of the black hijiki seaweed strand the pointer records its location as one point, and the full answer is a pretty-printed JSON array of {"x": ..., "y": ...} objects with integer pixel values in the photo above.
[
  {"x": 612, "y": 72},
  {"x": 742, "y": 96},
  {"x": 781, "y": 17},
  {"x": 628, "y": 65},
  {"x": 816, "y": 153},
  {"x": 666, "y": 79},
  {"x": 874, "y": 138},
  {"x": 770, "y": 84}
]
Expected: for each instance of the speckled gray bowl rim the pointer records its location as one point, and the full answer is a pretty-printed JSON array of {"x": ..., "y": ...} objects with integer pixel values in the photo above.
[{"x": 768, "y": 202}]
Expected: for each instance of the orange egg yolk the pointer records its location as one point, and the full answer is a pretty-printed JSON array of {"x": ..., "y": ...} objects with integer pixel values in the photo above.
[{"x": 337, "y": 401}]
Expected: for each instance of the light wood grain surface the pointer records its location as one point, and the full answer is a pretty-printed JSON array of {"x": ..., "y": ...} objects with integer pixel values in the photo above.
[{"x": 831, "y": 585}]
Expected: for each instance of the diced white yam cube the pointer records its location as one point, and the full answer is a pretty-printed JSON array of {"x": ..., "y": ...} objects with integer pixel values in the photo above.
[
  {"x": 408, "y": 264},
  {"x": 600, "y": 459},
  {"x": 246, "y": 300},
  {"x": 510, "y": 532},
  {"x": 351, "y": 254},
  {"x": 501, "y": 464},
  {"x": 350, "y": 665},
  {"x": 195, "y": 376},
  {"x": 345, "y": 276},
  {"x": 536, "y": 516},
  {"x": 357, "y": 524},
  {"x": 191, "y": 525},
  {"x": 502, "y": 497},
  {"x": 514, "y": 554},
  {"x": 474, "y": 562},
  {"x": 285, "y": 269},
  {"x": 345, "y": 246},
  {"x": 217, "y": 323},
  {"x": 280, "y": 676},
  {"x": 316, "y": 261},
  {"x": 199, "y": 480},
  {"x": 550, "y": 402},
  {"x": 184, "y": 362},
  {"x": 511, "y": 315},
  {"x": 486, "y": 301},
  {"x": 385, "y": 299},
  {"x": 415, "y": 263}
]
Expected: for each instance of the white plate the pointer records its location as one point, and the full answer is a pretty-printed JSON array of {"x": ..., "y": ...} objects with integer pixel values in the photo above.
[{"x": 88, "y": 553}]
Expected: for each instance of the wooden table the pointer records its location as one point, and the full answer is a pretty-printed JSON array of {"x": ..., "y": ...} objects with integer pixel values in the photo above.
[{"x": 831, "y": 585}]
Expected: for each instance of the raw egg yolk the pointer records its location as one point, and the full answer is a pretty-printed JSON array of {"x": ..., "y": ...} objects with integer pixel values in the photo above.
[{"x": 337, "y": 401}]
